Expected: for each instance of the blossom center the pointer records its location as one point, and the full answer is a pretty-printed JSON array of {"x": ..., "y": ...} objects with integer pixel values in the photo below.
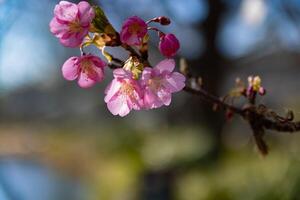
[
  {"x": 155, "y": 83},
  {"x": 86, "y": 66},
  {"x": 127, "y": 89},
  {"x": 134, "y": 28},
  {"x": 75, "y": 26}
]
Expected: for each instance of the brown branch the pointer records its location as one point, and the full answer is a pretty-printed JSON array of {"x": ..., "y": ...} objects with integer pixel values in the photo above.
[
  {"x": 259, "y": 119},
  {"x": 281, "y": 126},
  {"x": 117, "y": 60},
  {"x": 131, "y": 50},
  {"x": 248, "y": 113},
  {"x": 113, "y": 66},
  {"x": 212, "y": 99},
  {"x": 143, "y": 58}
]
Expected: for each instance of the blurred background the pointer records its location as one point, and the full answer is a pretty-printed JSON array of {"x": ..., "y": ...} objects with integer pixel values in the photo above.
[{"x": 60, "y": 142}]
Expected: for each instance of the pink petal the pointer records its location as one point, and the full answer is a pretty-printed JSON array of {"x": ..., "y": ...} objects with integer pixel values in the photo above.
[
  {"x": 136, "y": 101},
  {"x": 146, "y": 75},
  {"x": 129, "y": 38},
  {"x": 165, "y": 97},
  {"x": 151, "y": 100},
  {"x": 118, "y": 106},
  {"x": 70, "y": 69},
  {"x": 80, "y": 35},
  {"x": 121, "y": 73},
  {"x": 112, "y": 90},
  {"x": 133, "y": 40},
  {"x": 66, "y": 11},
  {"x": 96, "y": 74},
  {"x": 67, "y": 35},
  {"x": 57, "y": 28},
  {"x": 165, "y": 65},
  {"x": 72, "y": 41},
  {"x": 124, "y": 35},
  {"x": 98, "y": 62},
  {"x": 84, "y": 81},
  {"x": 142, "y": 25},
  {"x": 175, "y": 83},
  {"x": 86, "y": 13}
]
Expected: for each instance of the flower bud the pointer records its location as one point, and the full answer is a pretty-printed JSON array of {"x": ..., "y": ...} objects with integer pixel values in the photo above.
[
  {"x": 229, "y": 114},
  {"x": 164, "y": 20},
  {"x": 262, "y": 91},
  {"x": 168, "y": 45},
  {"x": 254, "y": 82},
  {"x": 249, "y": 91}
]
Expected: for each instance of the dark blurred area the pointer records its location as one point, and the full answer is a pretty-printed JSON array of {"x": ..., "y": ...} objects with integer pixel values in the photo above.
[{"x": 58, "y": 141}]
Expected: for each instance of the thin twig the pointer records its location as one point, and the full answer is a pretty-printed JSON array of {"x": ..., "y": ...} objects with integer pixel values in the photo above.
[{"x": 213, "y": 99}]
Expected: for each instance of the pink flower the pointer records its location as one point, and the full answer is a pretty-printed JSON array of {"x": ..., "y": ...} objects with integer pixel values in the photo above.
[
  {"x": 159, "y": 83},
  {"x": 169, "y": 45},
  {"x": 133, "y": 31},
  {"x": 123, "y": 94},
  {"x": 88, "y": 69},
  {"x": 71, "y": 22}
]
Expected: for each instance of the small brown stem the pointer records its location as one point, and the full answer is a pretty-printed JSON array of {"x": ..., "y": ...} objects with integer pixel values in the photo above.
[
  {"x": 113, "y": 66},
  {"x": 131, "y": 50},
  {"x": 117, "y": 60},
  {"x": 258, "y": 121},
  {"x": 251, "y": 113},
  {"x": 159, "y": 32},
  {"x": 213, "y": 99}
]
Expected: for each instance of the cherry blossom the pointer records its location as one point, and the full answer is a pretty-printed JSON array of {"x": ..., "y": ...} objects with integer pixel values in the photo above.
[
  {"x": 123, "y": 94},
  {"x": 71, "y": 22},
  {"x": 88, "y": 69},
  {"x": 133, "y": 31},
  {"x": 160, "y": 82}
]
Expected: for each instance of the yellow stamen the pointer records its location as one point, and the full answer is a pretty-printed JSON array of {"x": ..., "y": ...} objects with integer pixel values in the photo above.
[
  {"x": 127, "y": 89},
  {"x": 155, "y": 83},
  {"x": 75, "y": 26},
  {"x": 134, "y": 28},
  {"x": 86, "y": 66},
  {"x": 255, "y": 82}
]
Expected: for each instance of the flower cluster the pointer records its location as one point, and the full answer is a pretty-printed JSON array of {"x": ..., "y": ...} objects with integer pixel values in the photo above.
[
  {"x": 152, "y": 90},
  {"x": 134, "y": 30},
  {"x": 135, "y": 85}
]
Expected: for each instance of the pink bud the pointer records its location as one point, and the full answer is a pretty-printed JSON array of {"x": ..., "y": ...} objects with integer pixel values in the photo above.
[
  {"x": 229, "y": 115},
  {"x": 162, "y": 20},
  {"x": 249, "y": 91},
  {"x": 262, "y": 91},
  {"x": 169, "y": 45}
]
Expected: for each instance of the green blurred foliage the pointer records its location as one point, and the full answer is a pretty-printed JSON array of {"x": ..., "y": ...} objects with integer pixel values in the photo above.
[{"x": 112, "y": 161}]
